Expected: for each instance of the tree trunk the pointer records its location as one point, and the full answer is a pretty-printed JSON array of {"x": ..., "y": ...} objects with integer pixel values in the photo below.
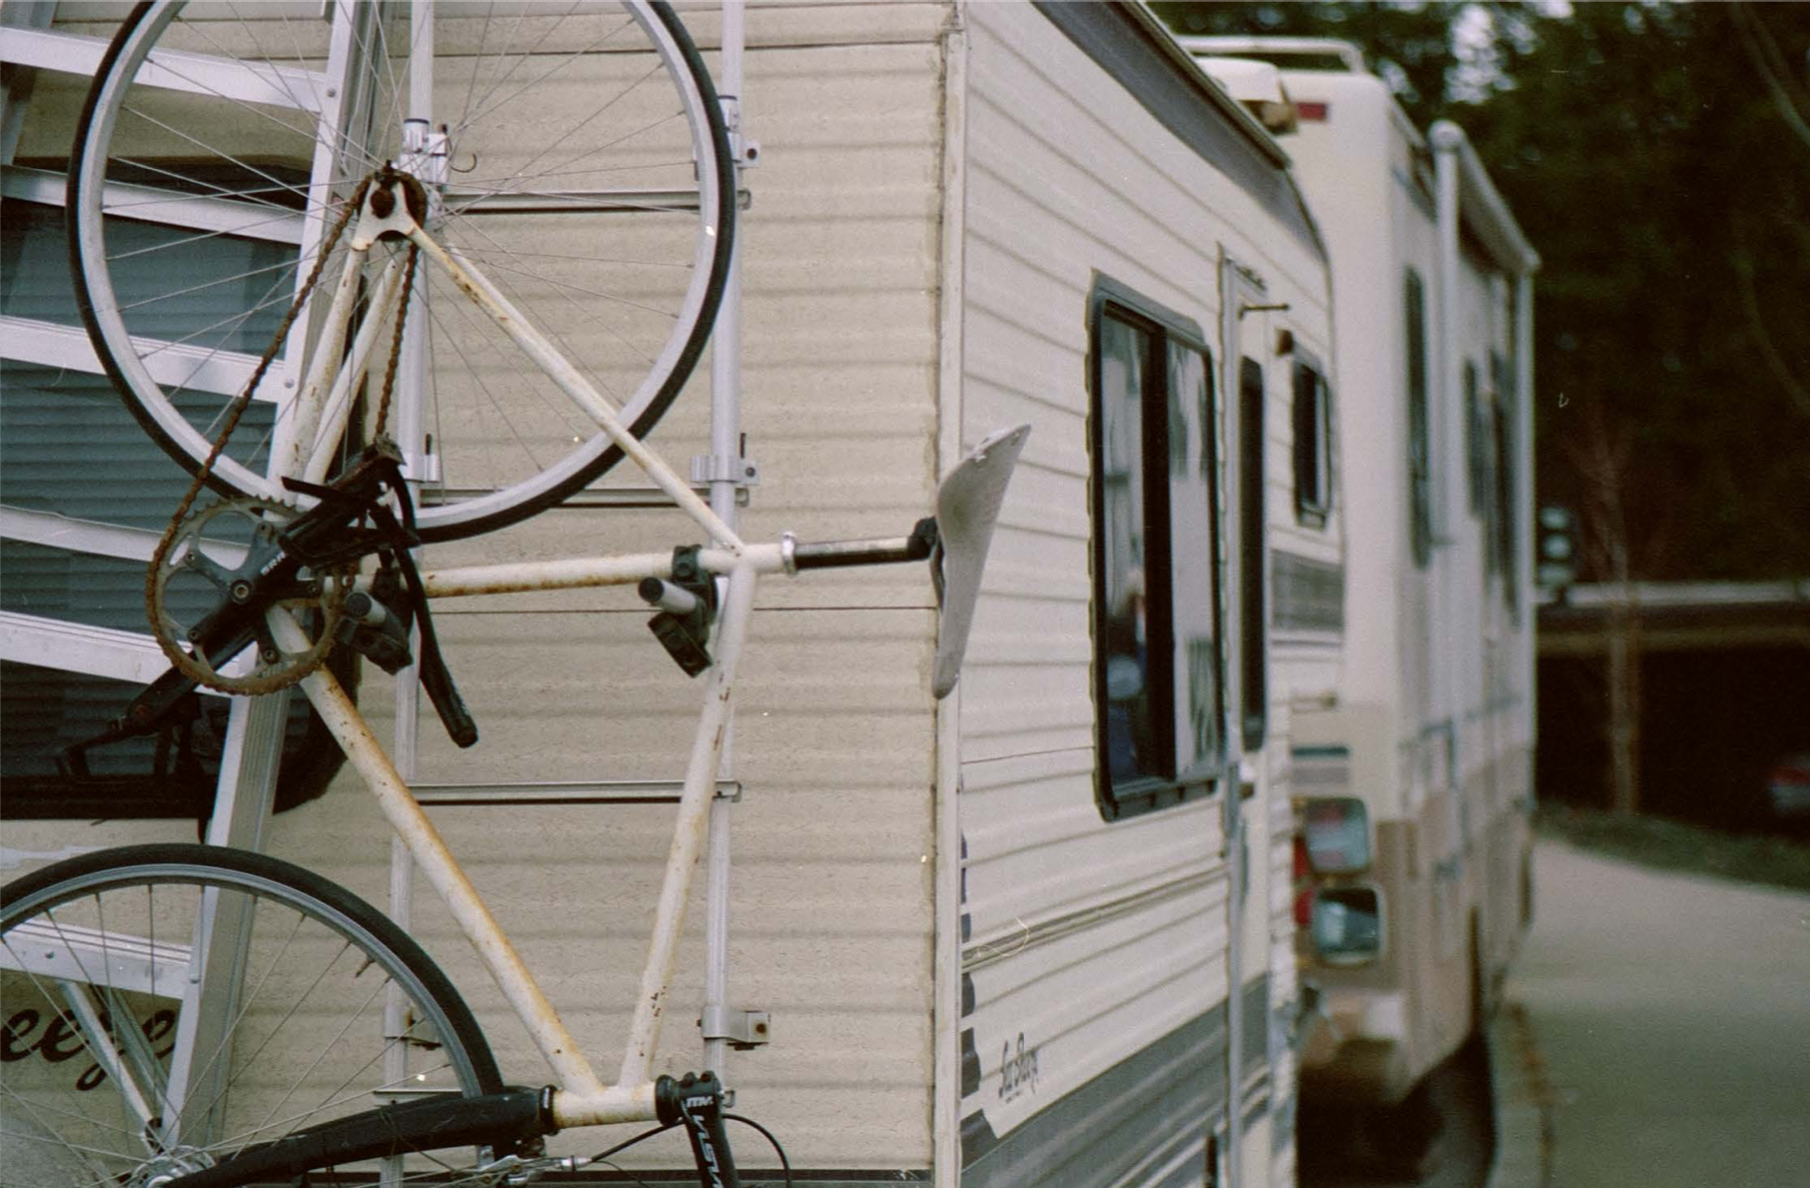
[{"x": 1624, "y": 704}]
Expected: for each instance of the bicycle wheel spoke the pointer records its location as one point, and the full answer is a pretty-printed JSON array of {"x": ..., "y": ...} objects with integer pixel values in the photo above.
[
  {"x": 223, "y": 1049},
  {"x": 87, "y": 1030},
  {"x": 490, "y": 400},
  {"x": 326, "y": 1049},
  {"x": 566, "y": 294},
  {"x": 303, "y": 1042}
]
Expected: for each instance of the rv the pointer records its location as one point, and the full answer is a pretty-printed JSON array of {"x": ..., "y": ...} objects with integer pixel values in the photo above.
[
  {"x": 1415, "y": 782},
  {"x": 1041, "y": 932}
]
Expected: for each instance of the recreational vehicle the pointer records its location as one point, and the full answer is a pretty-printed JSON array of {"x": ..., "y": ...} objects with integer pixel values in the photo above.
[
  {"x": 1414, "y": 784},
  {"x": 1040, "y": 932}
]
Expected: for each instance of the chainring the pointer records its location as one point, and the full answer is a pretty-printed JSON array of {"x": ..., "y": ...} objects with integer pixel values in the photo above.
[{"x": 214, "y": 560}]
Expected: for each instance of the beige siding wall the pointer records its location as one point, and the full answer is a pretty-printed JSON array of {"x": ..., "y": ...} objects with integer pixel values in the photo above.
[
  {"x": 832, "y": 923},
  {"x": 831, "y": 926}
]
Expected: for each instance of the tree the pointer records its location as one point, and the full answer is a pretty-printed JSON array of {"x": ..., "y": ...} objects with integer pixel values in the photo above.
[{"x": 1657, "y": 156}]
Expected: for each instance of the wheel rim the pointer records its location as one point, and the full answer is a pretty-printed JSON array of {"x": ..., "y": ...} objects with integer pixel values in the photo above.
[
  {"x": 306, "y": 1033},
  {"x": 614, "y": 118}
]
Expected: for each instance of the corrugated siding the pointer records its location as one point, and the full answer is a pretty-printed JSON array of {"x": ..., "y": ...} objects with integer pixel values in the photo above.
[
  {"x": 1068, "y": 174},
  {"x": 831, "y": 925},
  {"x": 69, "y": 446}
]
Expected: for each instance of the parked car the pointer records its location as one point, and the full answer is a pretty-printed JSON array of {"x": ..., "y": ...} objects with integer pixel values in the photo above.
[{"x": 1788, "y": 785}]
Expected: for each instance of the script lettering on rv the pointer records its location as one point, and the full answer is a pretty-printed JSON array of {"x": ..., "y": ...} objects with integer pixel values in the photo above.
[
  {"x": 62, "y": 1040},
  {"x": 1017, "y": 1072}
]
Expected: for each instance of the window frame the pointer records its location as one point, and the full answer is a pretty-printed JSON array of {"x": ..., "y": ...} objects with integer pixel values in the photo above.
[
  {"x": 1505, "y": 481},
  {"x": 176, "y": 782},
  {"x": 1175, "y": 782},
  {"x": 1478, "y": 445},
  {"x": 1253, "y": 559},
  {"x": 1313, "y": 440},
  {"x": 1420, "y": 438}
]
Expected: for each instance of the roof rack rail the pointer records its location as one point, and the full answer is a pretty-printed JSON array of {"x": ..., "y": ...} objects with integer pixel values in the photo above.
[{"x": 1347, "y": 54}]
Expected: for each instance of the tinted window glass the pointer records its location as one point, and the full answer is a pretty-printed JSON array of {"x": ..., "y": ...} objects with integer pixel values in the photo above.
[
  {"x": 1159, "y": 665},
  {"x": 1420, "y": 470}
]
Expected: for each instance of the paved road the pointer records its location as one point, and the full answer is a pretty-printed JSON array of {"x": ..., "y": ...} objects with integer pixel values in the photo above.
[{"x": 1673, "y": 1016}]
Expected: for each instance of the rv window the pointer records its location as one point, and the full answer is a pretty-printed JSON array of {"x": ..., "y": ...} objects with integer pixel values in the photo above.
[
  {"x": 1478, "y": 444},
  {"x": 1158, "y": 666},
  {"x": 69, "y": 447},
  {"x": 1313, "y": 442},
  {"x": 1503, "y": 435},
  {"x": 1420, "y": 459},
  {"x": 1253, "y": 561}
]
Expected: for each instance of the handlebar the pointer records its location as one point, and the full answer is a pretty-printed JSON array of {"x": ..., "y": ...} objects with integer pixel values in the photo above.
[{"x": 787, "y": 555}]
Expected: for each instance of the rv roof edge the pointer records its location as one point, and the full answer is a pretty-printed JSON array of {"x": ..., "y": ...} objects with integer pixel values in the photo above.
[
  {"x": 1482, "y": 204},
  {"x": 1350, "y": 56},
  {"x": 1178, "y": 52}
]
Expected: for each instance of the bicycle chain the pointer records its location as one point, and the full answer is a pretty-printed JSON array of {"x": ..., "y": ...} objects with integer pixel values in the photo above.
[{"x": 273, "y": 680}]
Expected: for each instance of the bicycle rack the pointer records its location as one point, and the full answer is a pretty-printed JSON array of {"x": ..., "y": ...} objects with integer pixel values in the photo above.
[
  {"x": 245, "y": 791},
  {"x": 726, "y": 474}
]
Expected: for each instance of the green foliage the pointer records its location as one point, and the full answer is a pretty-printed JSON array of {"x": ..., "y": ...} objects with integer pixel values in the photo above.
[
  {"x": 1657, "y": 157},
  {"x": 1777, "y": 861}
]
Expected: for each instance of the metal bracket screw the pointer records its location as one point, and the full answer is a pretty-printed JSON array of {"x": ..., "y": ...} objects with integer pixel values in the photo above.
[{"x": 743, "y": 1029}]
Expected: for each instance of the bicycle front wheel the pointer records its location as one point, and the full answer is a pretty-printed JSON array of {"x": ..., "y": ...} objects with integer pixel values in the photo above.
[
  {"x": 575, "y": 154},
  {"x": 169, "y": 1005}
]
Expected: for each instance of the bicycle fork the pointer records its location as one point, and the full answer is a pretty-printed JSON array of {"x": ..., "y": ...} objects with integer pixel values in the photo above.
[{"x": 697, "y": 1101}]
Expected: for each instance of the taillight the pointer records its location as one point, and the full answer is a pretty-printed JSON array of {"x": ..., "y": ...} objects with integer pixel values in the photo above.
[
  {"x": 1304, "y": 907},
  {"x": 1336, "y": 832},
  {"x": 1347, "y": 926},
  {"x": 1303, "y": 884}
]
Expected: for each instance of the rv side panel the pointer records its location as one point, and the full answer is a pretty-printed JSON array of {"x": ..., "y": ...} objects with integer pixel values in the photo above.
[
  {"x": 1095, "y": 952},
  {"x": 831, "y": 915}
]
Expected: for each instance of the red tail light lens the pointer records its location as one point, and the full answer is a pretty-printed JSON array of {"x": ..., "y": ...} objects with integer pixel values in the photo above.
[
  {"x": 1303, "y": 883},
  {"x": 1337, "y": 832}
]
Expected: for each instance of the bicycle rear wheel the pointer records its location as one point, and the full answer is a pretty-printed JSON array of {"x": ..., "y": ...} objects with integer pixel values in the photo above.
[
  {"x": 584, "y": 168},
  {"x": 168, "y": 1005}
]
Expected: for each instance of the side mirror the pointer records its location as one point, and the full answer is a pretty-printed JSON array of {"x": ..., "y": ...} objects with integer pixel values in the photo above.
[
  {"x": 967, "y": 506},
  {"x": 1347, "y": 927},
  {"x": 1337, "y": 832}
]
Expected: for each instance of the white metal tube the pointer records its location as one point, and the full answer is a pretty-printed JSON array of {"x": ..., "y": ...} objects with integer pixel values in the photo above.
[
  {"x": 339, "y": 401},
  {"x": 98, "y": 1041},
  {"x": 296, "y": 428},
  {"x": 328, "y": 144},
  {"x": 689, "y": 829},
  {"x": 408, "y": 413},
  {"x": 406, "y": 817},
  {"x": 561, "y": 372},
  {"x": 946, "y": 872},
  {"x": 725, "y": 442},
  {"x": 243, "y": 797},
  {"x": 1522, "y": 496},
  {"x": 1448, "y": 446},
  {"x": 578, "y": 572},
  {"x": 421, "y": 62},
  {"x": 617, "y": 1103}
]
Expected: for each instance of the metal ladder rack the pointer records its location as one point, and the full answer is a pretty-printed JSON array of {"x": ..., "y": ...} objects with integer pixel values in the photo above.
[{"x": 726, "y": 475}]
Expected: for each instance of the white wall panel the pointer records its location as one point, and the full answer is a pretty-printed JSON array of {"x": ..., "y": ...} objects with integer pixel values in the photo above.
[{"x": 1070, "y": 177}]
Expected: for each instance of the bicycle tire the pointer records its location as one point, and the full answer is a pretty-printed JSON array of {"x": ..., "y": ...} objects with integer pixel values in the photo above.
[
  {"x": 631, "y": 308},
  {"x": 83, "y": 940}
]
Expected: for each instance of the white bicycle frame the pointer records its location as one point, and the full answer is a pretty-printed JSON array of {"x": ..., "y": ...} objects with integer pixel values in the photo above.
[{"x": 582, "y": 1098}]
